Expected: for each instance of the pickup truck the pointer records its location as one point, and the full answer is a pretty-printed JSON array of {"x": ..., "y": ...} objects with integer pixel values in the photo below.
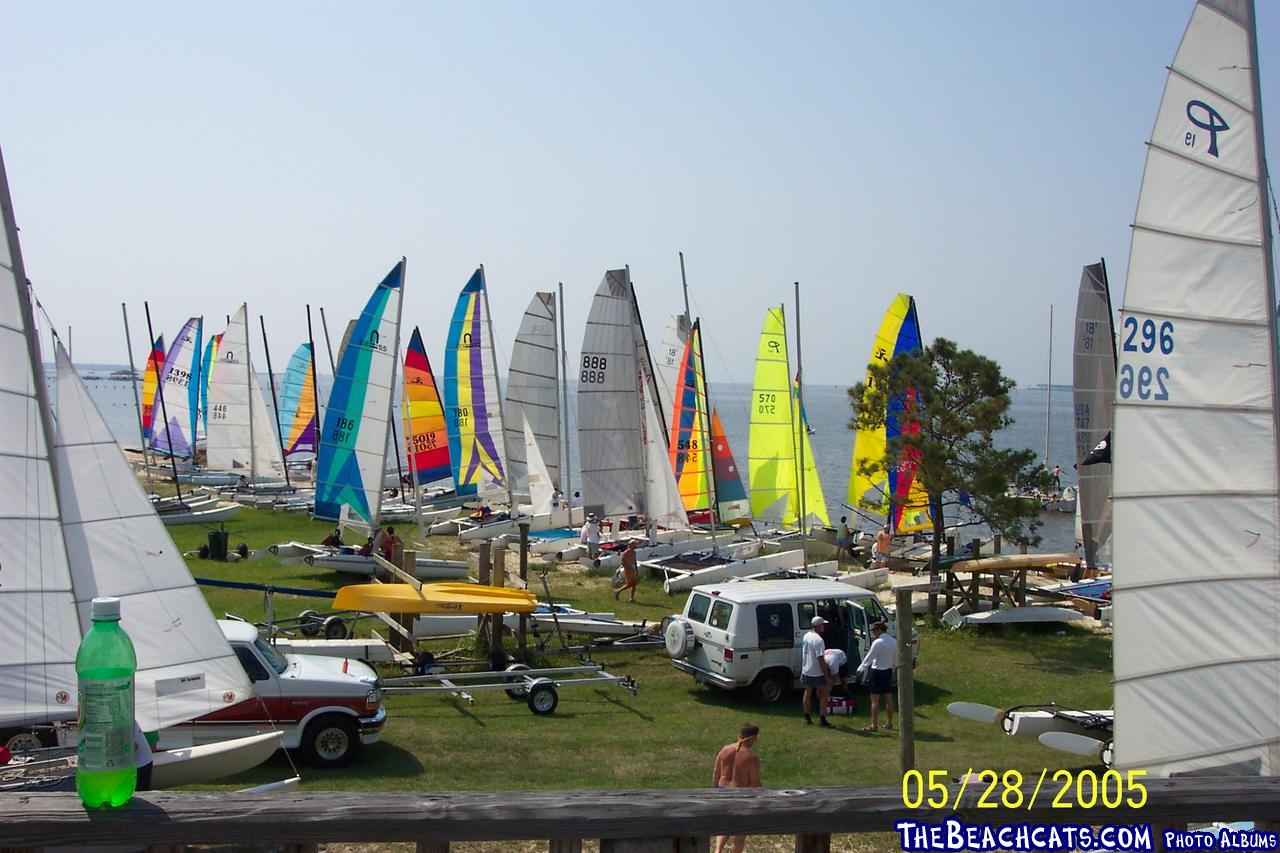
[{"x": 326, "y": 707}]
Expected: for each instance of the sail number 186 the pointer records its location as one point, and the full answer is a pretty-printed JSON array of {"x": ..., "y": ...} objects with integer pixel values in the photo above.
[{"x": 1148, "y": 337}]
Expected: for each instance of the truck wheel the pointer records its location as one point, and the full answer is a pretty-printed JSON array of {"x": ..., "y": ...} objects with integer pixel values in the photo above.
[
  {"x": 543, "y": 698},
  {"x": 769, "y": 688},
  {"x": 517, "y": 693},
  {"x": 330, "y": 741},
  {"x": 334, "y": 628}
]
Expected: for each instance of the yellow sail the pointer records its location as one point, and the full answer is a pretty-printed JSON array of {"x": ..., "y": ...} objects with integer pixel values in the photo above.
[
  {"x": 688, "y": 445},
  {"x": 815, "y": 504}
]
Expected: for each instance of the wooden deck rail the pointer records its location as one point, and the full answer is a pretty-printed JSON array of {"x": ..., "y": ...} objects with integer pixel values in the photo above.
[{"x": 656, "y": 820}]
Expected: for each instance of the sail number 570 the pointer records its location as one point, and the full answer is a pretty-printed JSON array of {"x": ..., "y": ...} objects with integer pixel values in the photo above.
[{"x": 1151, "y": 338}]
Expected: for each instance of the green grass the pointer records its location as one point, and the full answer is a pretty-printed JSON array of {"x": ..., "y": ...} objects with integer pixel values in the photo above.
[{"x": 667, "y": 735}]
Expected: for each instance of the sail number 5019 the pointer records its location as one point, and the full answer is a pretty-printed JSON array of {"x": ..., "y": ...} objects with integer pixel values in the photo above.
[{"x": 1150, "y": 338}]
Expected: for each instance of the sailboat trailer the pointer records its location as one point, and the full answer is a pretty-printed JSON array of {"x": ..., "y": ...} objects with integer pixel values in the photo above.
[{"x": 539, "y": 688}]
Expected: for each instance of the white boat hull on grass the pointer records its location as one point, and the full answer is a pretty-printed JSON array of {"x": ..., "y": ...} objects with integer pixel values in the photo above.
[
  {"x": 197, "y": 765},
  {"x": 358, "y": 564},
  {"x": 1036, "y": 723},
  {"x": 511, "y": 526},
  {"x": 607, "y": 561},
  {"x": 222, "y": 512},
  {"x": 1012, "y": 616},
  {"x": 682, "y": 580}
]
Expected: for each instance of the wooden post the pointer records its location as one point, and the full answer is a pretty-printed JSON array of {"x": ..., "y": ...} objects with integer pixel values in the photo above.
[
  {"x": 522, "y": 640},
  {"x": 1022, "y": 547},
  {"x": 995, "y": 589},
  {"x": 564, "y": 845},
  {"x": 655, "y": 845},
  {"x": 813, "y": 842},
  {"x": 399, "y": 642},
  {"x": 995, "y": 544},
  {"x": 906, "y": 687},
  {"x": 499, "y": 562},
  {"x": 486, "y": 576},
  {"x": 951, "y": 552},
  {"x": 433, "y": 847},
  {"x": 1022, "y": 587}
]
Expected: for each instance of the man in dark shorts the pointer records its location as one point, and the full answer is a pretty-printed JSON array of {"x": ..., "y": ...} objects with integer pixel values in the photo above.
[
  {"x": 814, "y": 674},
  {"x": 881, "y": 659}
]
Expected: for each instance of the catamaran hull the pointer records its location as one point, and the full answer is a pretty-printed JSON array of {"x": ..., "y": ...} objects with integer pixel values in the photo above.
[
  {"x": 608, "y": 561},
  {"x": 196, "y": 765},
  {"x": 200, "y": 516},
  {"x": 356, "y": 564},
  {"x": 511, "y": 527},
  {"x": 681, "y": 581},
  {"x": 1036, "y": 723}
]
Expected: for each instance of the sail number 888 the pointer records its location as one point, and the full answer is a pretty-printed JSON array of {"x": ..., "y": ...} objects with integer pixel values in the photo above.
[{"x": 593, "y": 367}]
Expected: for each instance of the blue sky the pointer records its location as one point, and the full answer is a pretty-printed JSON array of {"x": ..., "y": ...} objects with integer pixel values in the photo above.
[{"x": 974, "y": 154}]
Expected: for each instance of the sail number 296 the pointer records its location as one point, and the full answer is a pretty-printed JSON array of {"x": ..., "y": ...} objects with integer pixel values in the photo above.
[
  {"x": 593, "y": 368},
  {"x": 1148, "y": 337}
]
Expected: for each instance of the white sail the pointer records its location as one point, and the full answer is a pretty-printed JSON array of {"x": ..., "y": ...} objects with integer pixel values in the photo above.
[
  {"x": 240, "y": 437},
  {"x": 1094, "y": 391},
  {"x": 533, "y": 390},
  {"x": 37, "y": 613},
  {"x": 541, "y": 489},
  {"x": 609, "y": 414},
  {"x": 666, "y": 361},
  {"x": 1196, "y": 498},
  {"x": 117, "y": 546},
  {"x": 180, "y": 394}
]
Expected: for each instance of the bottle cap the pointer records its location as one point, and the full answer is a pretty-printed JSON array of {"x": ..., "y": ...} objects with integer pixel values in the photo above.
[{"x": 106, "y": 609}]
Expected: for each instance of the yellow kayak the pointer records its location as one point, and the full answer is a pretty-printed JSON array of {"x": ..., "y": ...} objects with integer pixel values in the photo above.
[{"x": 455, "y": 598}]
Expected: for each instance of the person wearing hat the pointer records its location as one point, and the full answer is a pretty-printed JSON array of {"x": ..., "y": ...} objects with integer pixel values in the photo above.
[
  {"x": 814, "y": 673},
  {"x": 591, "y": 535},
  {"x": 881, "y": 658}
]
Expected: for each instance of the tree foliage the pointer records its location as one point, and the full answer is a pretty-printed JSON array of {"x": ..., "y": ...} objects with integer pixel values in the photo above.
[{"x": 959, "y": 400}]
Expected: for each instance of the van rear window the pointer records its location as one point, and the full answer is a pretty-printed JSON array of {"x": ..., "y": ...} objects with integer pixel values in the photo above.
[
  {"x": 698, "y": 607},
  {"x": 720, "y": 614}
]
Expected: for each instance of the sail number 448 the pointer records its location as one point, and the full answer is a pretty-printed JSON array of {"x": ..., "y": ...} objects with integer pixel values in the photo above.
[{"x": 1149, "y": 338}]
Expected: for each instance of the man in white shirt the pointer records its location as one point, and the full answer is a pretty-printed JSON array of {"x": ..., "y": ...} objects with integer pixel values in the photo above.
[
  {"x": 881, "y": 660},
  {"x": 591, "y": 536},
  {"x": 838, "y": 666},
  {"x": 814, "y": 673}
]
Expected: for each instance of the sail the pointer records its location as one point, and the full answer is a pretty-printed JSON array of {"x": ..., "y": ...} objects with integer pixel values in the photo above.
[
  {"x": 181, "y": 393},
  {"x": 771, "y": 450},
  {"x": 689, "y": 459},
  {"x": 150, "y": 387},
  {"x": 662, "y": 501},
  {"x": 815, "y": 504},
  {"x": 472, "y": 405},
  {"x": 117, "y": 546},
  {"x": 533, "y": 389},
  {"x": 241, "y": 436},
  {"x": 731, "y": 498},
  {"x": 666, "y": 360},
  {"x": 1195, "y": 454},
  {"x": 206, "y": 366},
  {"x": 541, "y": 490},
  {"x": 353, "y": 443},
  {"x": 426, "y": 439},
  {"x": 298, "y": 403},
  {"x": 1094, "y": 391},
  {"x": 899, "y": 333},
  {"x": 37, "y": 612}
]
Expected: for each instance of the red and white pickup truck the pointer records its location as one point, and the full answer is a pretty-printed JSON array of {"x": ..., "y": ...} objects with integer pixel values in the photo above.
[{"x": 326, "y": 707}]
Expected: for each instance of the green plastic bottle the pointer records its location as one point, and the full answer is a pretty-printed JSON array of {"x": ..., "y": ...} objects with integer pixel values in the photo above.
[{"x": 105, "y": 663}]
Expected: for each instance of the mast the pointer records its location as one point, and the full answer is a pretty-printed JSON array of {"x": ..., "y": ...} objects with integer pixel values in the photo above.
[
  {"x": 173, "y": 462},
  {"x": 137, "y": 403},
  {"x": 248, "y": 384},
  {"x": 199, "y": 374},
  {"x": 315, "y": 388},
  {"x": 799, "y": 439},
  {"x": 275, "y": 402},
  {"x": 497, "y": 383},
  {"x": 1048, "y": 395},
  {"x": 325, "y": 326},
  {"x": 644, "y": 456},
  {"x": 703, "y": 425},
  {"x": 564, "y": 385}
]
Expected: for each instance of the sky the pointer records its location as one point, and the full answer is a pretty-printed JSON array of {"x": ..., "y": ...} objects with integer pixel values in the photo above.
[{"x": 973, "y": 154}]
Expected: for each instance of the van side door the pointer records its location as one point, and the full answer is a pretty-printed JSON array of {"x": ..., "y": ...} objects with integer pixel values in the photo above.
[
  {"x": 776, "y": 631},
  {"x": 859, "y": 627}
]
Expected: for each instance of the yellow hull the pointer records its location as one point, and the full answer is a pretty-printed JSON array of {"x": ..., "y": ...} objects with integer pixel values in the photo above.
[{"x": 435, "y": 598}]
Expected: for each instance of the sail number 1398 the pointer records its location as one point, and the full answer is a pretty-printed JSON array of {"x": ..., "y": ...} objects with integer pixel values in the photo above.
[{"x": 1148, "y": 337}]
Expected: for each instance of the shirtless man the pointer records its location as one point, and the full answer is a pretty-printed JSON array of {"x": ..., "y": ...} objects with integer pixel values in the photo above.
[
  {"x": 737, "y": 767},
  {"x": 884, "y": 542},
  {"x": 630, "y": 571}
]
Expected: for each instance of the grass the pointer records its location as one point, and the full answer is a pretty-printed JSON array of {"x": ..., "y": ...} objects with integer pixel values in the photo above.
[{"x": 667, "y": 735}]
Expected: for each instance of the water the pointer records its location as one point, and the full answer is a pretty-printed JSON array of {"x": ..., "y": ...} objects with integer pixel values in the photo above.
[{"x": 827, "y": 407}]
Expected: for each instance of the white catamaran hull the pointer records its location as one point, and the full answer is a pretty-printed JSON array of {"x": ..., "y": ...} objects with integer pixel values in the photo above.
[
  {"x": 197, "y": 765},
  {"x": 680, "y": 580},
  {"x": 357, "y": 564}
]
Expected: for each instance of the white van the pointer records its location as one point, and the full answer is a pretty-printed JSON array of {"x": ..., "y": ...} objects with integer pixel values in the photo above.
[{"x": 748, "y": 633}]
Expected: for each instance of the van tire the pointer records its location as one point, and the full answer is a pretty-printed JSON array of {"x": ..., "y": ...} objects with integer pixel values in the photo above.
[
  {"x": 330, "y": 741},
  {"x": 770, "y": 688}
]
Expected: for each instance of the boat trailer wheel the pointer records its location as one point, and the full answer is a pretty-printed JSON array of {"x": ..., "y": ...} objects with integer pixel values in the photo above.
[
  {"x": 334, "y": 628},
  {"x": 520, "y": 692},
  {"x": 310, "y": 623},
  {"x": 543, "y": 697}
]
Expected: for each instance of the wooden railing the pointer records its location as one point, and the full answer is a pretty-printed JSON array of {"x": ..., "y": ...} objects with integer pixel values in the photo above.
[{"x": 648, "y": 820}]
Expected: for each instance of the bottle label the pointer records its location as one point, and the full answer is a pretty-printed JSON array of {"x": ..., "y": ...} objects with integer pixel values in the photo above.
[{"x": 106, "y": 724}]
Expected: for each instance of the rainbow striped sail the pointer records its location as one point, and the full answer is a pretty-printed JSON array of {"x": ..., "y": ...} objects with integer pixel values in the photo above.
[
  {"x": 150, "y": 385},
  {"x": 425, "y": 436},
  {"x": 471, "y": 399},
  {"x": 897, "y": 494},
  {"x": 181, "y": 393},
  {"x": 731, "y": 498},
  {"x": 353, "y": 444},
  {"x": 688, "y": 441},
  {"x": 298, "y": 403},
  {"x": 206, "y": 364}
]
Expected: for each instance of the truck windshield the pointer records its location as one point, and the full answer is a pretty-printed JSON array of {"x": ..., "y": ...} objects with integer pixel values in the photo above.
[{"x": 274, "y": 659}]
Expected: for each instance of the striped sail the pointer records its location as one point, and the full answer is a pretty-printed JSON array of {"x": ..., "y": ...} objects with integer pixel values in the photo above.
[
  {"x": 895, "y": 493},
  {"x": 181, "y": 392},
  {"x": 206, "y": 366},
  {"x": 150, "y": 387},
  {"x": 37, "y": 611},
  {"x": 1094, "y": 393},
  {"x": 117, "y": 546},
  {"x": 472, "y": 405},
  {"x": 241, "y": 435},
  {"x": 688, "y": 444},
  {"x": 731, "y": 498},
  {"x": 426, "y": 439},
  {"x": 1195, "y": 455},
  {"x": 666, "y": 359},
  {"x": 662, "y": 502},
  {"x": 357, "y": 420},
  {"x": 298, "y": 403},
  {"x": 533, "y": 390}
]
